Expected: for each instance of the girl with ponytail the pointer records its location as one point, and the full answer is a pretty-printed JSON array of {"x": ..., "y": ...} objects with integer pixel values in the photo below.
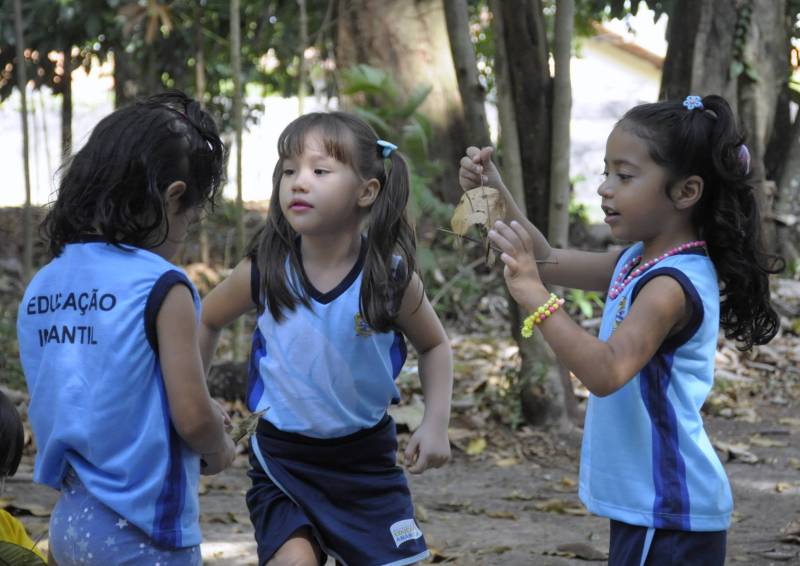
[
  {"x": 676, "y": 189},
  {"x": 333, "y": 279}
]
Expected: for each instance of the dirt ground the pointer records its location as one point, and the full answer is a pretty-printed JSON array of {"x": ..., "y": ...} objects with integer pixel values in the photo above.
[{"x": 515, "y": 500}]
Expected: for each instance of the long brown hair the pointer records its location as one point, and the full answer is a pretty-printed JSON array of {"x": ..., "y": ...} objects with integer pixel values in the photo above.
[{"x": 389, "y": 234}]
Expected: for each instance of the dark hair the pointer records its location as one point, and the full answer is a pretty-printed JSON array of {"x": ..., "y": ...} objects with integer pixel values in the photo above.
[
  {"x": 706, "y": 142},
  {"x": 114, "y": 185},
  {"x": 12, "y": 437},
  {"x": 351, "y": 141}
]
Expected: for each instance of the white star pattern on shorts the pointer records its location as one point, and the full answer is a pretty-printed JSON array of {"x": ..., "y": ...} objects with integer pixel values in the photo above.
[{"x": 122, "y": 523}]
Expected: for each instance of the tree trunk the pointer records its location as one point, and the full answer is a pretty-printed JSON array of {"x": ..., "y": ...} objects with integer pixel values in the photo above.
[
  {"x": 66, "y": 105},
  {"x": 236, "y": 70},
  {"x": 126, "y": 88},
  {"x": 302, "y": 71},
  {"x": 200, "y": 93},
  {"x": 508, "y": 154},
  {"x": 472, "y": 92},
  {"x": 409, "y": 39},
  {"x": 531, "y": 92},
  {"x": 562, "y": 109},
  {"x": 520, "y": 29},
  {"x": 765, "y": 52},
  {"x": 700, "y": 49},
  {"x": 22, "y": 83}
]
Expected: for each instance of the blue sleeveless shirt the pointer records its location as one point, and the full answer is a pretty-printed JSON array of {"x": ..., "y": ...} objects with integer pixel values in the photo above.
[
  {"x": 88, "y": 344},
  {"x": 321, "y": 372},
  {"x": 646, "y": 459}
]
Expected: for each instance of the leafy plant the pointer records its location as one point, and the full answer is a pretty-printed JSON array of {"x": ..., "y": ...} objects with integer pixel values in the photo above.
[{"x": 583, "y": 302}]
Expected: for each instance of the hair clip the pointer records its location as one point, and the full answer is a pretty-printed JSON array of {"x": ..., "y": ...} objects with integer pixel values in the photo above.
[
  {"x": 693, "y": 102},
  {"x": 388, "y": 148},
  {"x": 744, "y": 158}
]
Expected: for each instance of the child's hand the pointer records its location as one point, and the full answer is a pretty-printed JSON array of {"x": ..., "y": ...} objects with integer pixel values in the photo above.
[
  {"x": 215, "y": 462},
  {"x": 428, "y": 447},
  {"x": 520, "y": 272},
  {"x": 226, "y": 418},
  {"x": 476, "y": 169}
]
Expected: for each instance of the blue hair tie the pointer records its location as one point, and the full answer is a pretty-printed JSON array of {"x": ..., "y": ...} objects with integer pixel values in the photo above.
[
  {"x": 387, "y": 148},
  {"x": 693, "y": 102}
]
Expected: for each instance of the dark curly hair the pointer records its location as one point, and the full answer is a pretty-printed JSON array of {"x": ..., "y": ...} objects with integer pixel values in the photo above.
[
  {"x": 352, "y": 141},
  {"x": 12, "y": 437},
  {"x": 706, "y": 142},
  {"x": 114, "y": 185}
]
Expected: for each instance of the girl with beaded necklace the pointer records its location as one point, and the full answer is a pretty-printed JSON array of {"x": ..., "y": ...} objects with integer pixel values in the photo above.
[
  {"x": 677, "y": 187},
  {"x": 333, "y": 279}
]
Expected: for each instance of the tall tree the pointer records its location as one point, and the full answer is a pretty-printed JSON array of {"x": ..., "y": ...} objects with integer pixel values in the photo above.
[
  {"x": 473, "y": 96},
  {"x": 410, "y": 38},
  {"x": 236, "y": 69},
  {"x": 22, "y": 80},
  {"x": 741, "y": 51}
]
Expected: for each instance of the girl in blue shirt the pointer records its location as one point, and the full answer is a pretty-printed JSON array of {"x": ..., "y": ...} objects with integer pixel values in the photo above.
[
  {"x": 333, "y": 279},
  {"x": 676, "y": 187},
  {"x": 108, "y": 341}
]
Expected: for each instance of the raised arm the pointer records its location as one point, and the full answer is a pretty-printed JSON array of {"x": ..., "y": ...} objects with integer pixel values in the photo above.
[
  {"x": 659, "y": 311},
  {"x": 225, "y": 303},
  {"x": 429, "y": 446},
  {"x": 568, "y": 268}
]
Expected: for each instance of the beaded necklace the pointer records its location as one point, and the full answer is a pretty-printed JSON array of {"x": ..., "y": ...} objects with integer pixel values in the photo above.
[{"x": 625, "y": 277}]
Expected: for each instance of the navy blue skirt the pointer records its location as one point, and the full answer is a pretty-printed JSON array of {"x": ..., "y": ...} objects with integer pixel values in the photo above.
[
  {"x": 349, "y": 491},
  {"x": 632, "y": 545}
]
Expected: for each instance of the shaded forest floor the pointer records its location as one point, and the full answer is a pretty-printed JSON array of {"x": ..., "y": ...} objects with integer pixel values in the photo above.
[{"x": 509, "y": 494}]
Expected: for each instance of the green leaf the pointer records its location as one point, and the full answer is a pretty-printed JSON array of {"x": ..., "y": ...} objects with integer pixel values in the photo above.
[
  {"x": 14, "y": 555},
  {"x": 736, "y": 69},
  {"x": 415, "y": 100},
  {"x": 375, "y": 120},
  {"x": 751, "y": 73}
]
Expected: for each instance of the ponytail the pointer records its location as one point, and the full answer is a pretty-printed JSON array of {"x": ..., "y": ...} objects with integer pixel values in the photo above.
[
  {"x": 389, "y": 237},
  {"x": 700, "y": 137}
]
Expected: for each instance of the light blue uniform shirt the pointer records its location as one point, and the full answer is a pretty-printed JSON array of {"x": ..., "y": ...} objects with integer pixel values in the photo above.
[
  {"x": 87, "y": 340},
  {"x": 320, "y": 371},
  {"x": 646, "y": 459}
]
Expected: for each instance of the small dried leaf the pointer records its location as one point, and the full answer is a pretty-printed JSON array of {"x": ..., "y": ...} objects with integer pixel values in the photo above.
[
  {"x": 482, "y": 206},
  {"x": 758, "y": 440},
  {"x": 247, "y": 426},
  {"x": 559, "y": 506},
  {"x": 736, "y": 452},
  {"x": 501, "y": 515},
  {"x": 476, "y": 446},
  {"x": 583, "y": 551}
]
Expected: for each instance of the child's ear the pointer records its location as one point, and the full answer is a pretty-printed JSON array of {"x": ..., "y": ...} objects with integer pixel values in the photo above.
[
  {"x": 687, "y": 193},
  {"x": 368, "y": 193},
  {"x": 174, "y": 192}
]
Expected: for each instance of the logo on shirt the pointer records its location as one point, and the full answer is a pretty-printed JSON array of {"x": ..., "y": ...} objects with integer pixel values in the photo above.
[
  {"x": 404, "y": 531},
  {"x": 620, "y": 315},
  {"x": 362, "y": 328}
]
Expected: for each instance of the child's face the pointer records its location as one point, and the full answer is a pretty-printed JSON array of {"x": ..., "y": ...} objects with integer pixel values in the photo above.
[
  {"x": 635, "y": 199},
  {"x": 318, "y": 194}
]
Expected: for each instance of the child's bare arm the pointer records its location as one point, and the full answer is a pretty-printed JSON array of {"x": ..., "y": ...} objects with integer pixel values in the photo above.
[
  {"x": 566, "y": 267},
  {"x": 198, "y": 422},
  {"x": 429, "y": 446},
  {"x": 225, "y": 303},
  {"x": 660, "y": 308}
]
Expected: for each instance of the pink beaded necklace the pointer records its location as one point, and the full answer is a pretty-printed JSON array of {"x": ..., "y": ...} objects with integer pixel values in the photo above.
[{"x": 624, "y": 277}]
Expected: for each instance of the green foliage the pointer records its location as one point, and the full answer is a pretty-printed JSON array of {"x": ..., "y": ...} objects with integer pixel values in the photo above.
[
  {"x": 396, "y": 117},
  {"x": 584, "y": 303}
]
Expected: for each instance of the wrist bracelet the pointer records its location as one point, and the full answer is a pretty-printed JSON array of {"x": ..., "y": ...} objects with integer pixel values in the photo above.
[{"x": 541, "y": 314}]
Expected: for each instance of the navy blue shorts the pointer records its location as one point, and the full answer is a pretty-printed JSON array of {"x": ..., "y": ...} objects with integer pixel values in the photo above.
[
  {"x": 349, "y": 491},
  {"x": 632, "y": 545}
]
